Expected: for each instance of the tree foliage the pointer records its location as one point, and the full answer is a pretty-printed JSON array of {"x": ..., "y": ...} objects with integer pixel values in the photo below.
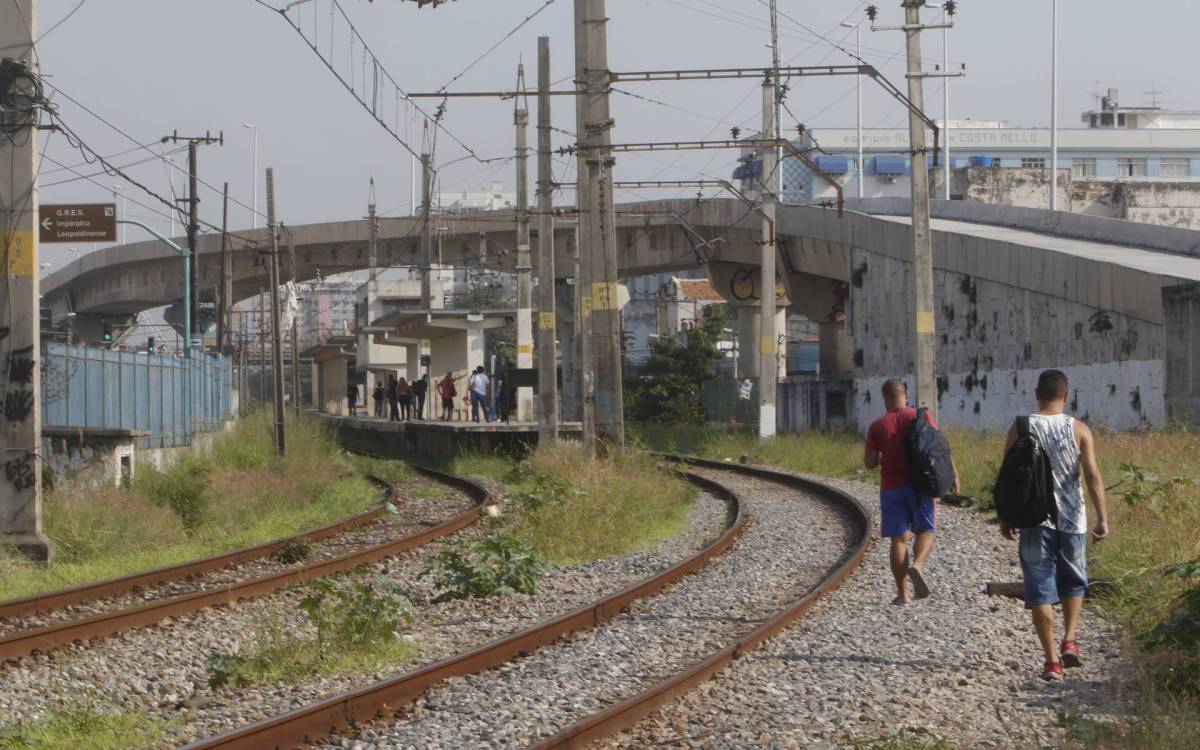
[{"x": 666, "y": 388}]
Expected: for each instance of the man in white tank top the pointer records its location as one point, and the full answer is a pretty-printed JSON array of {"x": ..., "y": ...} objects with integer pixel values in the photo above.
[{"x": 1054, "y": 555}]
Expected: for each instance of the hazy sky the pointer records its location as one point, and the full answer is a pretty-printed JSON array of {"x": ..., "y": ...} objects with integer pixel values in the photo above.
[{"x": 154, "y": 66}]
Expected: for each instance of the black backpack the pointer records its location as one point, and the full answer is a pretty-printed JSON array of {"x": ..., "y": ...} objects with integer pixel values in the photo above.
[
  {"x": 1024, "y": 491},
  {"x": 930, "y": 470}
]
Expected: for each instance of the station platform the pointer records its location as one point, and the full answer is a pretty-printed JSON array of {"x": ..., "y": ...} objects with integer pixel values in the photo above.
[{"x": 436, "y": 440}]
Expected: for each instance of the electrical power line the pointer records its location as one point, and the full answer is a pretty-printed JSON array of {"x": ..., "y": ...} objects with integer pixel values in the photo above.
[{"x": 496, "y": 46}]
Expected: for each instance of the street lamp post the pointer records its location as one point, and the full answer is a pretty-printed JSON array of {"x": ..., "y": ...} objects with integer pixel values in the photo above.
[
  {"x": 1054, "y": 105},
  {"x": 858, "y": 86},
  {"x": 253, "y": 177},
  {"x": 121, "y": 189}
]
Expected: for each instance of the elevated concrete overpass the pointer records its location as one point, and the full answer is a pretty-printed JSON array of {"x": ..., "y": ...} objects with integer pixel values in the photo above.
[{"x": 1017, "y": 290}]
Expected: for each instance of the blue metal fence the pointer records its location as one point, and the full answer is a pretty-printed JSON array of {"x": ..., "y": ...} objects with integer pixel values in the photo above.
[{"x": 86, "y": 387}]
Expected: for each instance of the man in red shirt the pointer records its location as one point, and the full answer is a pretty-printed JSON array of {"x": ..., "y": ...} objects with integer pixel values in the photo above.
[{"x": 902, "y": 511}]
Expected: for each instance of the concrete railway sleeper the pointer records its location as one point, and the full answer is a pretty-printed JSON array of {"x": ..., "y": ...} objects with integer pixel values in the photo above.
[
  {"x": 365, "y": 550},
  {"x": 313, "y": 722}
]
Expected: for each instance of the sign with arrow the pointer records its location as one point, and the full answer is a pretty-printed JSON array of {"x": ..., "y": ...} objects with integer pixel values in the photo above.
[{"x": 77, "y": 222}]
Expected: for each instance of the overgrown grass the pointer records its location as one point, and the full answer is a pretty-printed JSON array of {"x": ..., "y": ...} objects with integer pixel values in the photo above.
[
  {"x": 1153, "y": 526},
  {"x": 87, "y": 727},
  {"x": 397, "y": 472},
  {"x": 352, "y": 625},
  {"x": 589, "y": 508},
  {"x": 234, "y": 495}
]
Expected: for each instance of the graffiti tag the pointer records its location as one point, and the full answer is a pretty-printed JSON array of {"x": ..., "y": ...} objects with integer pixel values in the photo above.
[
  {"x": 18, "y": 405},
  {"x": 19, "y": 471},
  {"x": 20, "y": 365}
]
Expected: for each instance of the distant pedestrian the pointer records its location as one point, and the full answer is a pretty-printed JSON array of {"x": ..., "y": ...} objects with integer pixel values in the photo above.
[
  {"x": 903, "y": 512},
  {"x": 352, "y": 398},
  {"x": 448, "y": 392},
  {"x": 393, "y": 397},
  {"x": 404, "y": 392},
  {"x": 478, "y": 388},
  {"x": 1054, "y": 554},
  {"x": 419, "y": 389},
  {"x": 379, "y": 397}
]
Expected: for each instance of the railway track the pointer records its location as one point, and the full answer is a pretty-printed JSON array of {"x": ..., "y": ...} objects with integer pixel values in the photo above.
[
  {"x": 352, "y": 533},
  {"x": 357, "y": 708}
]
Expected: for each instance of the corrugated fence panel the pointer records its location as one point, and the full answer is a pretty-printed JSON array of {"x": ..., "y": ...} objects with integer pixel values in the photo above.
[{"x": 83, "y": 387}]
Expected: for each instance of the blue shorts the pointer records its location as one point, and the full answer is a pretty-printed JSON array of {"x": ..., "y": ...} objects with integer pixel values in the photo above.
[
  {"x": 1053, "y": 564},
  {"x": 901, "y": 510}
]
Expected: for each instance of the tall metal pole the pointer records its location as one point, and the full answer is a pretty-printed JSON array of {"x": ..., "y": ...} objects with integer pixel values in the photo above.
[
  {"x": 426, "y": 232},
  {"x": 923, "y": 358},
  {"x": 946, "y": 111},
  {"x": 862, "y": 169},
  {"x": 276, "y": 338},
  {"x": 21, "y": 427},
  {"x": 1054, "y": 105},
  {"x": 602, "y": 237},
  {"x": 583, "y": 275},
  {"x": 224, "y": 301},
  {"x": 262, "y": 347},
  {"x": 193, "y": 229},
  {"x": 768, "y": 365},
  {"x": 295, "y": 329},
  {"x": 524, "y": 267},
  {"x": 547, "y": 324},
  {"x": 253, "y": 177}
]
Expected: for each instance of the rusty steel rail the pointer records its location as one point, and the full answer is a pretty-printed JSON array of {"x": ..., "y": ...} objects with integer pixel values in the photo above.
[
  {"x": 626, "y": 714},
  {"x": 311, "y": 723},
  {"x": 110, "y": 623},
  {"x": 87, "y": 592}
]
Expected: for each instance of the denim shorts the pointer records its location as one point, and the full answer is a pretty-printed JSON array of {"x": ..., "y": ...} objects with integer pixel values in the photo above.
[
  {"x": 1053, "y": 564},
  {"x": 902, "y": 510}
]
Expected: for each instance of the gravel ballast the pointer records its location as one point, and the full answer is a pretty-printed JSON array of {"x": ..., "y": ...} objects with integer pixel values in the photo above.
[
  {"x": 792, "y": 541},
  {"x": 161, "y": 669},
  {"x": 960, "y": 665}
]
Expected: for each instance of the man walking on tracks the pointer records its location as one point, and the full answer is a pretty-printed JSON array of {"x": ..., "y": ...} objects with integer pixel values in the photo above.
[
  {"x": 903, "y": 511},
  {"x": 1054, "y": 552}
]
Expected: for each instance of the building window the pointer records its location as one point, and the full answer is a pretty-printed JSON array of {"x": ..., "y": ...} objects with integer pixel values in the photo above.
[
  {"x": 1176, "y": 168},
  {"x": 1083, "y": 168},
  {"x": 1131, "y": 167},
  {"x": 1028, "y": 162}
]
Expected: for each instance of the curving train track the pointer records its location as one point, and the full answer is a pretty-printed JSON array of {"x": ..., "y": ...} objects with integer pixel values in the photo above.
[
  {"x": 632, "y": 651},
  {"x": 48, "y": 621}
]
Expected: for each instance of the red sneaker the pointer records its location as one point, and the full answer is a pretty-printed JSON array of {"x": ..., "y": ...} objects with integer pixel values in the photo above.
[
  {"x": 1070, "y": 654},
  {"x": 1052, "y": 670}
]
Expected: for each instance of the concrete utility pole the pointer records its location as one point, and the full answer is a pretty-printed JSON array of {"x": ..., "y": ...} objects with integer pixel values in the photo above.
[
  {"x": 524, "y": 268},
  {"x": 583, "y": 275},
  {"x": 193, "y": 227},
  {"x": 364, "y": 342},
  {"x": 601, "y": 237},
  {"x": 768, "y": 366},
  {"x": 225, "y": 293},
  {"x": 21, "y": 435},
  {"x": 426, "y": 232},
  {"x": 547, "y": 324},
  {"x": 924, "y": 361},
  {"x": 276, "y": 338}
]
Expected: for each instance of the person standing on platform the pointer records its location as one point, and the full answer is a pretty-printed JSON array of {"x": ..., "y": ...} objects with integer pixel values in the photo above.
[
  {"x": 404, "y": 392},
  {"x": 478, "y": 387},
  {"x": 379, "y": 397},
  {"x": 419, "y": 389},
  {"x": 448, "y": 392},
  {"x": 352, "y": 398},
  {"x": 393, "y": 397}
]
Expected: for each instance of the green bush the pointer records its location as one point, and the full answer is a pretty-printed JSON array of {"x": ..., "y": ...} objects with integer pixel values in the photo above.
[
  {"x": 181, "y": 489},
  {"x": 497, "y": 565}
]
